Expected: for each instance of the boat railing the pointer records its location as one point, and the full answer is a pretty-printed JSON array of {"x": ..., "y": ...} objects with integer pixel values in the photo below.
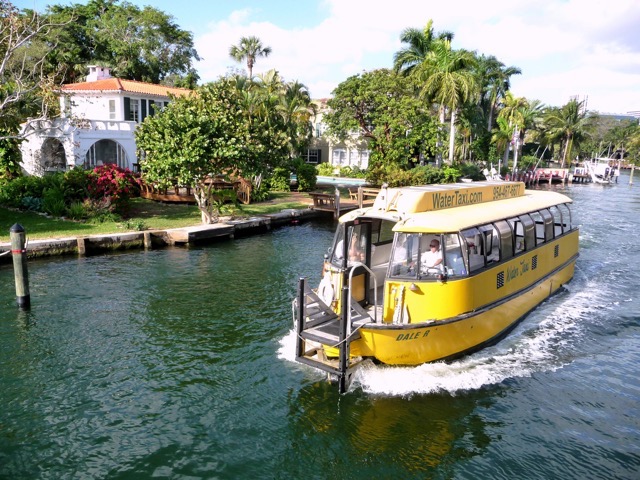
[{"x": 355, "y": 265}]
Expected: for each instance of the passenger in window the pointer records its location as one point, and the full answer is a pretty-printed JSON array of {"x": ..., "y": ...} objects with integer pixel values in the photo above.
[
  {"x": 356, "y": 254},
  {"x": 433, "y": 258}
]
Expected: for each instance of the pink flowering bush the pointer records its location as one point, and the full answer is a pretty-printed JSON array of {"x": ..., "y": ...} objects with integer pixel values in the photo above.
[{"x": 117, "y": 184}]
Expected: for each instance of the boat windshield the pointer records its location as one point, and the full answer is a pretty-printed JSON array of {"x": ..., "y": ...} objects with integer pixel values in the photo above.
[{"x": 420, "y": 255}]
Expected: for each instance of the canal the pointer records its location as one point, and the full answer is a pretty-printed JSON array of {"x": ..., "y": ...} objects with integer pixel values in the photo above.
[{"x": 177, "y": 363}]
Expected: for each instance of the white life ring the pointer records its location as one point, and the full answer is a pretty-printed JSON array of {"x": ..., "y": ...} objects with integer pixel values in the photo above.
[{"x": 325, "y": 290}]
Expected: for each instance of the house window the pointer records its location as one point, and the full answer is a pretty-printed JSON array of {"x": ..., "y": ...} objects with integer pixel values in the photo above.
[
  {"x": 312, "y": 156},
  {"x": 339, "y": 157},
  {"x": 359, "y": 158},
  {"x": 104, "y": 152},
  {"x": 134, "y": 110},
  {"x": 112, "y": 109}
]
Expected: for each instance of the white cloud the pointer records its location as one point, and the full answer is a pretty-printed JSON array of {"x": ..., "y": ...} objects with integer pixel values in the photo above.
[{"x": 564, "y": 48}]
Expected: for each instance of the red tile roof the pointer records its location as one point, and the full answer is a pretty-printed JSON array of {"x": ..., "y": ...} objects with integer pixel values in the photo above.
[{"x": 129, "y": 86}]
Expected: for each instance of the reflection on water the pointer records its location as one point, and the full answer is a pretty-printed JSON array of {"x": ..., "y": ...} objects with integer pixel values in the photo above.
[{"x": 415, "y": 436}]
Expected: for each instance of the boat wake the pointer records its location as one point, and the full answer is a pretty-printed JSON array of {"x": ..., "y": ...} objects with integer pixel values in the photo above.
[{"x": 545, "y": 341}]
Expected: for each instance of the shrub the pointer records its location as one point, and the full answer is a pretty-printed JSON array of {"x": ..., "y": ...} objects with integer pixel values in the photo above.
[
  {"x": 53, "y": 202},
  {"x": 136, "y": 224},
  {"x": 13, "y": 191},
  {"x": 352, "y": 172},
  {"x": 472, "y": 171},
  {"x": 306, "y": 174},
  {"x": 280, "y": 180},
  {"x": 527, "y": 162},
  {"x": 261, "y": 193},
  {"x": 31, "y": 203},
  {"x": 76, "y": 185},
  {"x": 100, "y": 210},
  {"x": 325, "y": 169},
  {"x": 77, "y": 211},
  {"x": 119, "y": 184}
]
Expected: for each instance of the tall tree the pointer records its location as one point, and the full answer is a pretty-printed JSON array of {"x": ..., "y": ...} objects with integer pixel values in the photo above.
[
  {"x": 494, "y": 79},
  {"x": 418, "y": 45},
  {"x": 209, "y": 133},
  {"x": 297, "y": 109},
  {"x": 448, "y": 81},
  {"x": 25, "y": 87},
  {"x": 138, "y": 44},
  {"x": 249, "y": 49},
  {"x": 570, "y": 124},
  {"x": 382, "y": 107}
]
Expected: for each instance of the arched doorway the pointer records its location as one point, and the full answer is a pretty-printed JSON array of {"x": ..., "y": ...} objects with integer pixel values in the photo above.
[
  {"x": 106, "y": 151},
  {"x": 52, "y": 156}
]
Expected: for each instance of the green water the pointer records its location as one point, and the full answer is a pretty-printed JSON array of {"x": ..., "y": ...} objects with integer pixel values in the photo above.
[{"x": 176, "y": 363}]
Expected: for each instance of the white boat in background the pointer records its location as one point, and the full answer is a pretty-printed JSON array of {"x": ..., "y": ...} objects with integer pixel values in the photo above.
[{"x": 600, "y": 170}]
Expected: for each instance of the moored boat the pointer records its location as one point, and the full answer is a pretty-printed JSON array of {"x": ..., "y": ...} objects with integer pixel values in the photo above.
[
  {"x": 599, "y": 170},
  {"x": 433, "y": 272}
]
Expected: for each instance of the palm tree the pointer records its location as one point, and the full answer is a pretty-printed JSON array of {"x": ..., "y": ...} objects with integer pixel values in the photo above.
[
  {"x": 569, "y": 124},
  {"x": 494, "y": 80},
  {"x": 249, "y": 48},
  {"x": 408, "y": 60},
  {"x": 448, "y": 81},
  {"x": 419, "y": 43},
  {"x": 501, "y": 137},
  {"x": 297, "y": 110}
]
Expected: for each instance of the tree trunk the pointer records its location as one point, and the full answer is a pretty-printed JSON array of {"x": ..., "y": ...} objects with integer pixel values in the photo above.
[
  {"x": 452, "y": 136},
  {"x": 439, "y": 138},
  {"x": 208, "y": 209}
]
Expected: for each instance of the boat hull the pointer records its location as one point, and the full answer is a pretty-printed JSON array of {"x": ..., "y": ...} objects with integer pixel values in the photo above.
[{"x": 416, "y": 343}]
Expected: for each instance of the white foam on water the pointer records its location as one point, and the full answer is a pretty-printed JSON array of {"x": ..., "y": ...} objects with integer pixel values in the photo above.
[{"x": 542, "y": 343}]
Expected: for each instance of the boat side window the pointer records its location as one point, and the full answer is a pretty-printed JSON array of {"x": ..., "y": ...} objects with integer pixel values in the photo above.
[
  {"x": 486, "y": 241},
  {"x": 529, "y": 229},
  {"x": 357, "y": 244},
  {"x": 473, "y": 239},
  {"x": 518, "y": 235},
  {"x": 506, "y": 239},
  {"x": 352, "y": 246},
  {"x": 557, "y": 220},
  {"x": 566, "y": 217},
  {"x": 381, "y": 231},
  {"x": 453, "y": 259},
  {"x": 404, "y": 255},
  {"x": 539, "y": 226},
  {"x": 338, "y": 251},
  {"x": 547, "y": 220}
]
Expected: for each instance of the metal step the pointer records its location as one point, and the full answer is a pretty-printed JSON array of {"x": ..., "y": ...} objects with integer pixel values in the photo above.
[{"x": 327, "y": 333}]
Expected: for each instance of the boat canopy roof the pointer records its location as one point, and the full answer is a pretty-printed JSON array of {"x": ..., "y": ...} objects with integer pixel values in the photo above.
[
  {"x": 454, "y": 207},
  {"x": 482, "y": 213},
  {"x": 424, "y": 198}
]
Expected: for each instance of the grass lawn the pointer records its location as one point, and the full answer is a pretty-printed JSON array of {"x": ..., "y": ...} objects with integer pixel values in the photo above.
[{"x": 143, "y": 213}]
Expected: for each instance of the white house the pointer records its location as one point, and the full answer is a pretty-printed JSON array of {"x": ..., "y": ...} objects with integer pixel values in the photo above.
[
  {"x": 353, "y": 152},
  {"x": 96, "y": 126}
]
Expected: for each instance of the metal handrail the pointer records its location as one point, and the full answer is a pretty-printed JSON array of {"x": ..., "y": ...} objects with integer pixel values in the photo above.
[{"x": 375, "y": 292}]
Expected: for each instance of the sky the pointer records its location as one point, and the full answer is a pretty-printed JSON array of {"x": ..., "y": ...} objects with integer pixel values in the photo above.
[{"x": 589, "y": 49}]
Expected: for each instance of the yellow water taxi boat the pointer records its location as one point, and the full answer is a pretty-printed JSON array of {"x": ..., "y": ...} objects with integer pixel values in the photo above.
[{"x": 432, "y": 273}]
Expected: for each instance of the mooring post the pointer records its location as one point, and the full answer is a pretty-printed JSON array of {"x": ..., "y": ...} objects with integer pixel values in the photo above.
[
  {"x": 343, "y": 351},
  {"x": 21, "y": 274},
  {"x": 336, "y": 201},
  {"x": 300, "y": 343},
  {"x": 631, "y": 176}
]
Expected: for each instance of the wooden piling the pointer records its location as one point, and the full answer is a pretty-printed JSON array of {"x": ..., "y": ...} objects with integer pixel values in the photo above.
[
  {"x": 631, "y": 175},
  {"x": 20, "y": 271},
  {"x": 82, "y": 248}
]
